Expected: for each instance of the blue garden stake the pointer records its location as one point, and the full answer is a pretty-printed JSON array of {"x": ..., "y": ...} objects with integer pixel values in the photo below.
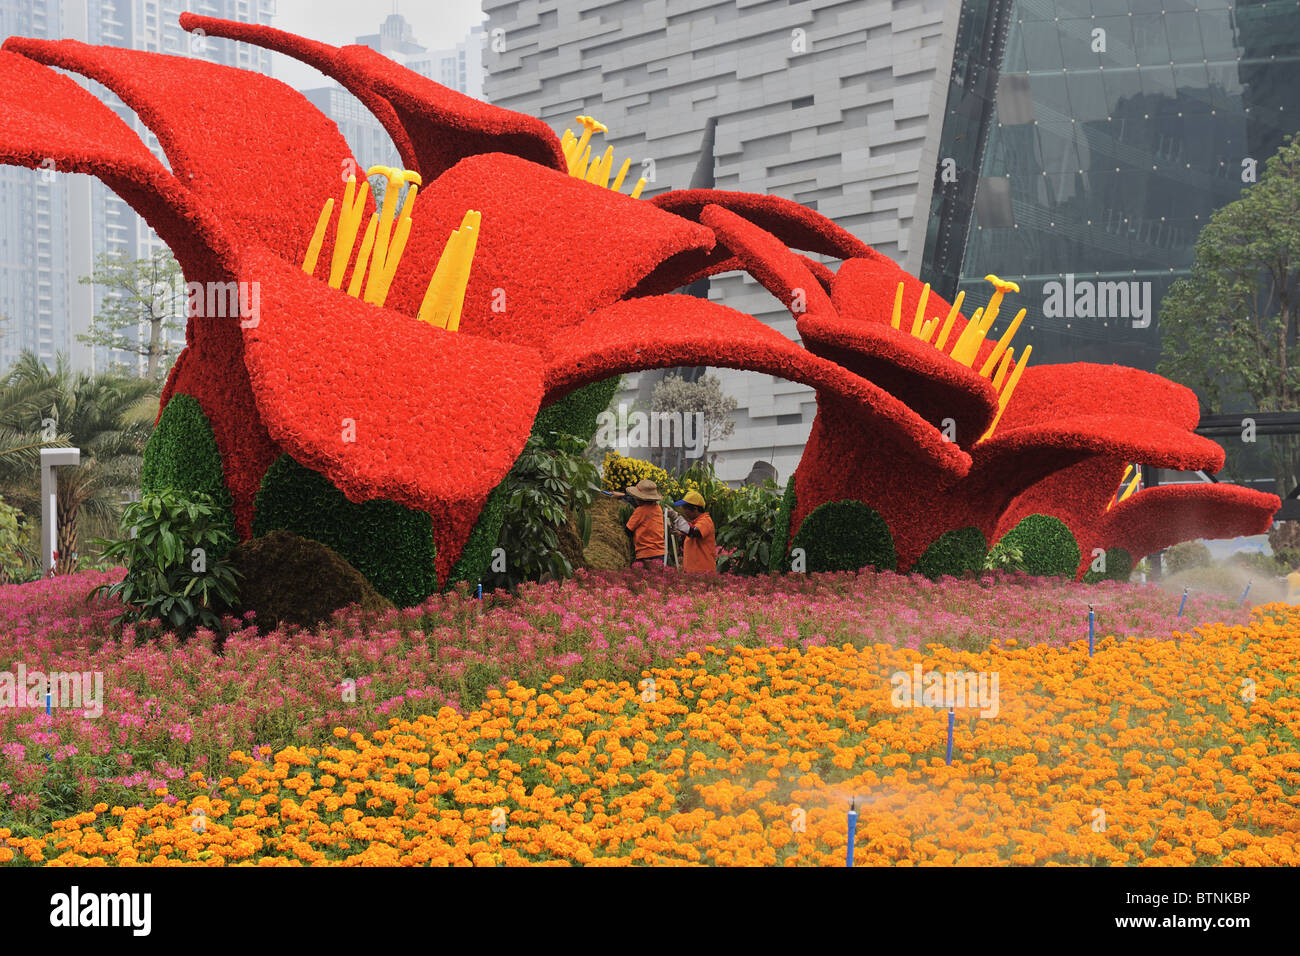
[
  {"x": 952, "y": 719},
  {"x": 48, "y": 700},
  {"x": 1183, "y": 603},
  {"x": 1092, "y": 620},
  {"x": 479, "y": 593},
  {"x": 1246, "y": 592},
  {"x": 853, "y": 830}
]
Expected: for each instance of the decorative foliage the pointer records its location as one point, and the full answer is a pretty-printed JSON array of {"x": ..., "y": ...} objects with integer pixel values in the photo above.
[
  {"x": 182, "y": 456},
  {"x": 1047, "y": 544},
  {"x": 954, "y": 553},
  {"x": 781, "y": 530},
  {"x": 749, "y": 532},
  {"x": 575, "y": 414},
  {"x": 390, "y": 545},
  {"x": 173, "y": 548},
  {"x": 846, "y": 536},
  {"x": 543, "y": 488}
]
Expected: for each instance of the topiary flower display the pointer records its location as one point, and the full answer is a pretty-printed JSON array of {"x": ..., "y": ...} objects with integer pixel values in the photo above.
[{"x": 403, "y": 352}]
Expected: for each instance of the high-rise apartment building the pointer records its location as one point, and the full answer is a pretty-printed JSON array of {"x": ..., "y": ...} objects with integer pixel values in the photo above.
[{"x": 53, "y": 226}]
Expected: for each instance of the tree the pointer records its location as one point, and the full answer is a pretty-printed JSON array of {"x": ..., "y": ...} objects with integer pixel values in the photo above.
[
  {"x": 108, "y": 416},
  {"x": 1229, "y": 329},
  {"x": 145, "y": 297},
  {"x": 704, "y": 399}
]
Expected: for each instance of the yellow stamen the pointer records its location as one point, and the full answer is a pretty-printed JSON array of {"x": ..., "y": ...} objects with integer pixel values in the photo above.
[
  {"x": 363, "y": 257},
  {"x": 1005, "y": 397},
  {"x": 947, "y": 324},
  {"x": 622, "y": 171},
  {"x": 581, "y": 144},
  {"x": 345, "y": 237},
  {"x": 927, "y": 330},
  {"x": 898, "y": 307},
  {"x": 445, "y": 297},
  {"x": 1002, "y": 369},
  {"x": 992, "y": 361},
  {"x": 919, "y": 318},
  {"x": 318, "y": 237},
  {"x": 384, "y": 234},
  {"x": 636, "y": 190}
]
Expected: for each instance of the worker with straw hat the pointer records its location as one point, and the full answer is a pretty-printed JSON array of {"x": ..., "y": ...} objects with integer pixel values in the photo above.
[{"x": 646, "y": 523}]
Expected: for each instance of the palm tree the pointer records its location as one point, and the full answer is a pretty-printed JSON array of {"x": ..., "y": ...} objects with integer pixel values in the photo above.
[{"x": 108, "y": 416}]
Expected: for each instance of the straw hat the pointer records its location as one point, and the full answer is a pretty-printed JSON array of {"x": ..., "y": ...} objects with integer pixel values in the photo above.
[{"x": 645, "y": 489}]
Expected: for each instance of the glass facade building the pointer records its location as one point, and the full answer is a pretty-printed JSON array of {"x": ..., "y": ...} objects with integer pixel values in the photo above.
[{"x": 1087, "y": 142}]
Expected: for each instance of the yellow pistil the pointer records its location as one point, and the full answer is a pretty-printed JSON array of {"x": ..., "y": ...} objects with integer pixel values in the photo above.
[
  {"x": 345, "y": 235},
  {"x": 968, "y": 343},
  {"x": 1000, "y": 288}
]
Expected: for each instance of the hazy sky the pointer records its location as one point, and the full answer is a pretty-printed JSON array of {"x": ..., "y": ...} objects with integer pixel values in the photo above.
[{"x": 437, "y": 24}]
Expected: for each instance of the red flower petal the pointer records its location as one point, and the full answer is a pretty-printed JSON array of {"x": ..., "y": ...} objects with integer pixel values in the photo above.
[
  {"x": 1160, "y": 517},
  {"x": 256, "y": 152},
  {"x": 673, "y": 330},
  {"x": 797, "y": 226},
  {"x": 438, "y": 417},
  {"x": 551, "y": 248},
  {"x": 434, "y": 127}
]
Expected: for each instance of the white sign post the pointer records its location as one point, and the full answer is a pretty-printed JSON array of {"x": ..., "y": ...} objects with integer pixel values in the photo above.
[{"x": 52, "y": 458}]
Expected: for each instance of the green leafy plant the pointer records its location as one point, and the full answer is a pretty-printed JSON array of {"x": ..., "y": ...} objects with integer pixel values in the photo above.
[
  {"x": 576, "y": 413},
  {"x": 846, "y": 536},
  {"x": 954, "y": 553},
  {"x": 1004, "y": 557},
  {"x": 174, "y": 549},
  {"x": 182, "y": 455},
  {"x": 1047, "y": 544},
  {"x": 750, "y": 529},
  {"x": 549, "y": 480},
  {"x": 781, "y": 531}
]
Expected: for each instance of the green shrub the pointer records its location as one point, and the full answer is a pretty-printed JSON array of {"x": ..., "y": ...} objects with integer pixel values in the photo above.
[
  {"x": 846, "y": 536},
  {"x": 575, "y": 414},
  {"x": 175, "y": 551},
  {"x": 781, "y": 529},
  {"x": 1186, "y": 554},
  {"x": 182, "y": 456},
  {"x": 1119, "y": 566},
  {"x": 954, "y": 553},
  {"x": 1047, "y": 544},
  {"x": 543, "y": 487},
  {"x": 388, "y": 543},
  {"x": 750, "y": 528}
]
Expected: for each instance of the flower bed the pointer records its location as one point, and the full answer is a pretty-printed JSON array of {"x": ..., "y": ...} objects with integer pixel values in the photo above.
[
  {"x": 750, "y": 756},
  {"x": 172, "y": 709}
]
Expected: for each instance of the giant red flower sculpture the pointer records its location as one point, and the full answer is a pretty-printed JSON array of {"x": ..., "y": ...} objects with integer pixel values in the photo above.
[{"x": 570, "y": 283}]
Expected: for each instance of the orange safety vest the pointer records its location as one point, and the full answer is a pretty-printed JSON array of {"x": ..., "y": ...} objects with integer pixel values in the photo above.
[
  {"x": 647, "y": 527},
  {"x": 701, "y": 554}
]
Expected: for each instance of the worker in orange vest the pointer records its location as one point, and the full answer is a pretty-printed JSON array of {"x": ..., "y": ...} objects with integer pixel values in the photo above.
[
  {"x": 646, "y": 524},
  {"x": 695, "y": 528}
]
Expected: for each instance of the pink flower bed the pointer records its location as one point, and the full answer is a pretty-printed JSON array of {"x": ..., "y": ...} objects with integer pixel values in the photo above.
[{"x": 171, "y": 708}]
